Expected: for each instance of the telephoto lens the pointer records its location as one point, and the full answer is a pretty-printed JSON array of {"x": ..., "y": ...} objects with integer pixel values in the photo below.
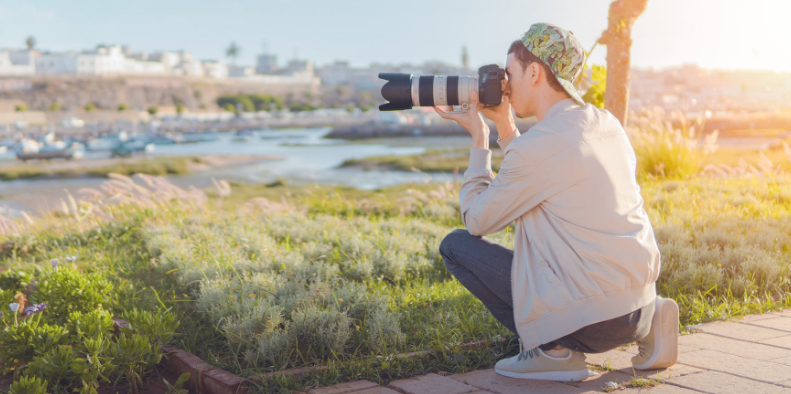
[{"x": 404, "y": 91}]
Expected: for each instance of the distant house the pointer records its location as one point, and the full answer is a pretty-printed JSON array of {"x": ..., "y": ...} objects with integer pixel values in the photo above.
[
  {"x": 215, "y": 69},
  {"x": 17, "y": 62}
]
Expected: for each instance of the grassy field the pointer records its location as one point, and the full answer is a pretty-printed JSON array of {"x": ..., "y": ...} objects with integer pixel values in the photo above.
[
  {"x": 153, "y": 166},
  {"x": 278, "y": 277}
]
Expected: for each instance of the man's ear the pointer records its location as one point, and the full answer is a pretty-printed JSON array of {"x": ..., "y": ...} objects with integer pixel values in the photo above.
[{"x": 535, "y": 73}]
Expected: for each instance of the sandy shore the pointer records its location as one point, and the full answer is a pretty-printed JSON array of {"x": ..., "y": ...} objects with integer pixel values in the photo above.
[{"x": 206, "y": 162}]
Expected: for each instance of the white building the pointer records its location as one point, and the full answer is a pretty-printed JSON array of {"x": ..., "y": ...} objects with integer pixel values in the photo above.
[
  {"x": 215, "y": 69},
  {"x": 17, "y": 62},
  {"x": 57, "y": 63}
]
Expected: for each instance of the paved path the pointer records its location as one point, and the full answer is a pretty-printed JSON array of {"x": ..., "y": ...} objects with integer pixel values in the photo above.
[{"x": 748, "y": 355}]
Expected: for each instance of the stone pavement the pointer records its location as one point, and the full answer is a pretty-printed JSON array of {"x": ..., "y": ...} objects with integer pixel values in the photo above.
[{"x": 748, "y": 355}]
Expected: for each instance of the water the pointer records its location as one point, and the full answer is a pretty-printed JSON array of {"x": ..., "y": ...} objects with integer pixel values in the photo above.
[{"x": 308, "y": 158}]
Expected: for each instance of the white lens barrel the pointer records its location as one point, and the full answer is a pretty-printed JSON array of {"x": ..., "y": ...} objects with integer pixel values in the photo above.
[{"x": 429, "y": 90}]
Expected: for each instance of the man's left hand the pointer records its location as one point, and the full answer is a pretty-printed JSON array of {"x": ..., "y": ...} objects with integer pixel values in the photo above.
[{"x": 472, "y": 121}]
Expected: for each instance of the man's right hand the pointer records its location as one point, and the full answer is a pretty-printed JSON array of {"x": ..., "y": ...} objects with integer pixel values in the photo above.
[{"x": 501, "y": 116}]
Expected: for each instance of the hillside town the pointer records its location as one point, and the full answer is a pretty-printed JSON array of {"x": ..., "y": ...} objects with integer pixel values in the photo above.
[{"x": 686, "y": 86}]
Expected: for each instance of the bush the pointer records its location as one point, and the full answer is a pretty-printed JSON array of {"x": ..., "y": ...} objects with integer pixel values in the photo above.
[
  {"x": 57, "y": 366},
  {"x": 28, "y": 338},
  {"x": 134, "y": 357},
  {"x": 158, "y": 328},
  {"x": 319, "y": 333},
  {"x": 20, "y": 107},
  {"x": 668, "y": 148},
  {"x": 28, "y": 385},
  {"x": 67, "y": 290}
]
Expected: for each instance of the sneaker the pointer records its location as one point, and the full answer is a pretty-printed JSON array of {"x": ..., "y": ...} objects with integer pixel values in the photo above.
[
  {"x": 659, "y": 349},
  {"x": 541, "y": 366}
]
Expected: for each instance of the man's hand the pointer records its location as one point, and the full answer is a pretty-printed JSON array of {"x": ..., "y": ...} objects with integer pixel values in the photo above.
[
  {"x": 502, "y": 117},
  {"x": 472, "y": 121}
]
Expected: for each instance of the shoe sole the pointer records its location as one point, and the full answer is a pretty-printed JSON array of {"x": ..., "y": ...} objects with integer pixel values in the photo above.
[
  {"x": 557, "y": 376},
  {"x": 665, "y": 336}
]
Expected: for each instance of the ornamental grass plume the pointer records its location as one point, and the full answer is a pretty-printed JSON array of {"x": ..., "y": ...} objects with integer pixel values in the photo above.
[{"x": 667, "y": 145}]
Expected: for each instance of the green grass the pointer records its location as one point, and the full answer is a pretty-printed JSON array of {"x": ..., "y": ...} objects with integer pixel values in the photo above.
[
  {"x": 725, "y": 245},
  {"x": 433, "y": 160},
  {"x": 152, "y": 166}
]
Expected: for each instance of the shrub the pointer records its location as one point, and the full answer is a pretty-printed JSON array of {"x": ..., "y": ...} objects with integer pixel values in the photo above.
[
  {"x": 28, "y": 338},
  {"x": 668, "y": 148},
  {"x": 133, "y": 356},
  {"x": 67, "y": 290},
  {"x": 90, "y": 325},
  {"x": 319, "y": 332},
  {"x": 28, "y": 385},
  {"x": 158, "y": 327},
  {"x": 57, "y": 367}
]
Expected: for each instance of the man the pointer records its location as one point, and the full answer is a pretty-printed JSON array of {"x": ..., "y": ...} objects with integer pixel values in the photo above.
[{"x": 582, "y": 276}]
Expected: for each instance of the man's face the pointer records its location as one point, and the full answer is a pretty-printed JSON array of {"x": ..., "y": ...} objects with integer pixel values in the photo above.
[{"x": 519, "y": 88}]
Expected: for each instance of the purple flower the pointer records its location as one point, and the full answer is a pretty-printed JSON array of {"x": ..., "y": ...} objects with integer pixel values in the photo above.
[
  {"x": 35, "y": 308},
  {"x": 14, "y": 307},
  {"x": 1, "y": 315},
  {"x": 54, "y": 262}
]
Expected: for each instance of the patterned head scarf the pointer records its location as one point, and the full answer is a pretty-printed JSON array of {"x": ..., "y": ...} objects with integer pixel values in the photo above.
[{"x": 558, "y": 49}]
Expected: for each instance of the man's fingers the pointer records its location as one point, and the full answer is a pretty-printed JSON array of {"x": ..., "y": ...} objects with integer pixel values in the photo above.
[{"x": 442, "y": 113}]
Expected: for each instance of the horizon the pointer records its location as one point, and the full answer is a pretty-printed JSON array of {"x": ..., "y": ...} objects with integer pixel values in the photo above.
[{"x": 300, "y": 30}]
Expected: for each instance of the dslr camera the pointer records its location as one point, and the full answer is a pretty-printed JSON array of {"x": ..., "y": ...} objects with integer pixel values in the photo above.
[{"x": 404, "y": 91}]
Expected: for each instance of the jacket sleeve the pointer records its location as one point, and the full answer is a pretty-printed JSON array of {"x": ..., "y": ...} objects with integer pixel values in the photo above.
[{"x": 489, "y": 203}]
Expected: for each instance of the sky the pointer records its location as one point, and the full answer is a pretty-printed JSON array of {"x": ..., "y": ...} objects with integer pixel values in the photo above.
[{"x": 720, "y": 34}]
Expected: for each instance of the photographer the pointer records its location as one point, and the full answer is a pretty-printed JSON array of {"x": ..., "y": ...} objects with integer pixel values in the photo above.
[{"x": 582, "y": 276}]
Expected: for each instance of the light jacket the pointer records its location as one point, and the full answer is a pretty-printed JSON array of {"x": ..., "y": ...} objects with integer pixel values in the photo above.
[{"x": 584, "y": 249}]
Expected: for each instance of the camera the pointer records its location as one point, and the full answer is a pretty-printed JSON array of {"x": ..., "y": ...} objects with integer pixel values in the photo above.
[{"x": 404, "y": 91}]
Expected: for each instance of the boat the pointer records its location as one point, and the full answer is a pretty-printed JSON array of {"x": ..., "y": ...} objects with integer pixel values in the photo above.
[
  {"x": 27, "y": 152},
  {"x": 243, "y": 136}
]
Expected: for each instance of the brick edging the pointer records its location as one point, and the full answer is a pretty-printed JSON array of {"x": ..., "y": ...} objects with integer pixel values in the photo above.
[{"x": 208, "y": 379}]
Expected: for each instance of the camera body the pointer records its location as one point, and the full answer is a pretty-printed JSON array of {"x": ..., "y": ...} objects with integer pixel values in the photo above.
[
  {"x": 404, "y": 91},
  {"x": 490, "y": 85}
]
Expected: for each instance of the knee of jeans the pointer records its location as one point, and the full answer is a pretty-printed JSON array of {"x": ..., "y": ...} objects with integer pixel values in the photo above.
[{"x": 453, "y": 238}]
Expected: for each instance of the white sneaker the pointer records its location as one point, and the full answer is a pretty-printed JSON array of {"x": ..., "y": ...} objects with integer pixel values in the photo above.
[
  {"x": 541, "y": 366},
  {"x": 659, "y": 349}
]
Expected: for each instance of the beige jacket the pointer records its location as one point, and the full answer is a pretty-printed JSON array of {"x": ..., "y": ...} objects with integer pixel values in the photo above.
[{"x": 584, "y": 249}]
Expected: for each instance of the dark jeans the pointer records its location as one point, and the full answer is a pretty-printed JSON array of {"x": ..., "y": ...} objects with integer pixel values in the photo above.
[{"x": 484, "y": 268}]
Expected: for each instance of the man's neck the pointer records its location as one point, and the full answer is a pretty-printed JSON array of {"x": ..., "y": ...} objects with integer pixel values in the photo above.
[{"x": 546, "y": 102}]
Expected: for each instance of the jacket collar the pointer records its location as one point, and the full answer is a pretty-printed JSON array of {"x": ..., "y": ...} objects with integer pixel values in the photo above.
[{"x": 561, "y": 105}]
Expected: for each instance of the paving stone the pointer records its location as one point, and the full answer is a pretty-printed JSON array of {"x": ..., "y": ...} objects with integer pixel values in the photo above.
[
  {"x": 784, "y": 342},
  {"x": 766, "y": 371},
  {"x": 732, "y": 346},
  {"x": 343, "y": 388},
  {"x": 491, "y": 381},
  {"x": 785, "y": 312},
  {"x": 596, "y": 383},
  {"x": 784, "y": 360},
  {"x": 739, "y": 331},
  {"x": 431, "y": 384},
  {"x": 717, "y": 382},
  {"x": 622, "y": 362},
  {"x": 664, "y": 389},
  {"x": 752, "y": 318},
  {"x": 377, "y": 390},
  {"x": 779, "y": 323}
]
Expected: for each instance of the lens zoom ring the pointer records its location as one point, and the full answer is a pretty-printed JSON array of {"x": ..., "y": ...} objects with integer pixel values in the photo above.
[
  {"x": 453, "y": 90},
  {"x": 426, "y": 88}
]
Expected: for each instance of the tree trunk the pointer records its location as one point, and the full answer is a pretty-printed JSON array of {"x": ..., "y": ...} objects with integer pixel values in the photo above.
[{"x": 618, "y": 38}]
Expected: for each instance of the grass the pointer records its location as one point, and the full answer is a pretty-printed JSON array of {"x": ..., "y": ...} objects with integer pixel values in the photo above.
[
  {"x": 433, "y": 160},
  {"x": 152, "y": 166},
  {"x": 264, "y": 259}
]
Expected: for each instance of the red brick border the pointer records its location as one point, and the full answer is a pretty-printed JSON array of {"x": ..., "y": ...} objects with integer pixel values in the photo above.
[{"x": 208, "y": 379}]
